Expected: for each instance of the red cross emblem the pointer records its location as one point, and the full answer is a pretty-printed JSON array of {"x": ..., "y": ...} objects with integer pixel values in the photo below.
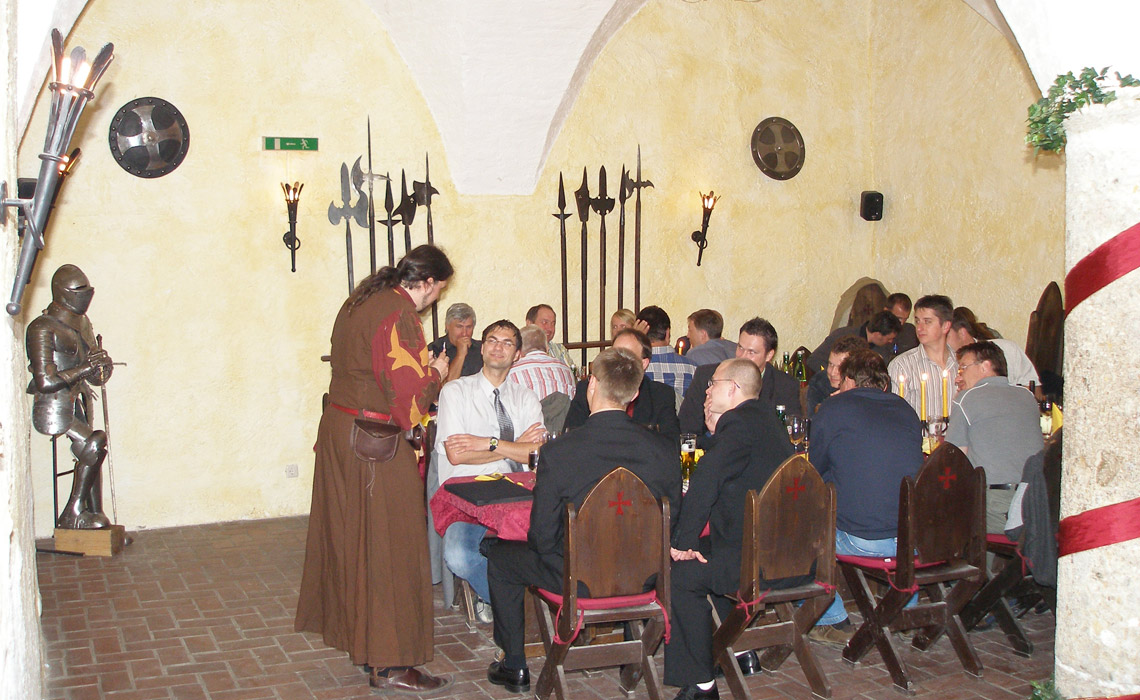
[
  {"x": 946, "y": 477},
  {"x": 619, "y": 503},
  {"x": 795, "y": 488}
]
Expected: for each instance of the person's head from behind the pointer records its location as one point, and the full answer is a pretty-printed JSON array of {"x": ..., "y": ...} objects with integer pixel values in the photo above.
[
  {"x": 422, "y": 273},
  {"x": 883, "y": 328},
  {"x": 501, "y": 343},
  {"x": 459, "y": 322},
  {"x": 533, "y": 338},
  {"x": 614, "y": 380},
  {"x": 636, "y": 343},
  {"x": 733, "y": 382},
  {"x": 622, "y": 319},
  {"x": 977, "y": 361},
  {"x": 965, "y": 329},
  {"x": 839, "y": 352},
  {"x": 899, "y": 305},
  {"x": 933, "y": 314},
  {"x": 704, "y": 325},
  {"x": 757, "y": 342},
  {"x": 864, "y": 369},
  {"x": 658, "y": 322},
  {"x": 543, "y": 316}
]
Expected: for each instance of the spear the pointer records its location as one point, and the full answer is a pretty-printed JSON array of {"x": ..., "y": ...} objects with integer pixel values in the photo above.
[
  {"x": 407, "y": 212},
  {"x": 562, "y": 215},
  {"x": 423, "y": 191},
  {"x": 638, "y": 185},
  {"x": 582, "y": 200},
  {"x": 348, "y": 211},
  {"x": 602, "y": 205},
  {"x": 389, "y": 208},
  {"x": 371, "y": 204},
  {"x": 625, "y": 189}
]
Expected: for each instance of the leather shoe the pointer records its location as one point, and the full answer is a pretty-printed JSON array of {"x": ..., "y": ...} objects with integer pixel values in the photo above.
[
  {"x": 749, "y": 663},
  {"x": 514, "y": 681},
  {"x": 408, "y": 680},
  {"x": 692, "y": 692}
]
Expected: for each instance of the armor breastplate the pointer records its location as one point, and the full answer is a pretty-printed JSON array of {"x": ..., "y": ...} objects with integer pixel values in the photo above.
[{"x": 55, "y": 346}]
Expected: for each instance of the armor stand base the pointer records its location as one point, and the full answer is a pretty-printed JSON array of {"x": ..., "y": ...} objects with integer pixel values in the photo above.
[{"x": 105, "y": 542}]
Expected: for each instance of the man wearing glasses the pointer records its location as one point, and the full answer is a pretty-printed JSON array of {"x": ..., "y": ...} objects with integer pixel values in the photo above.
[{"x": 486, "y": 424}]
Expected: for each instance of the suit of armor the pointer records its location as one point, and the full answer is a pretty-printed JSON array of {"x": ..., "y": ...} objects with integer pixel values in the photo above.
[{"x": 65, "y": 359}]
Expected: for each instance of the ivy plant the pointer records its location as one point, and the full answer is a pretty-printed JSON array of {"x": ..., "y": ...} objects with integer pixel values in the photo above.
[
  {"x": 1046, "y": 130},
  {"x": 1045, "y": 690}
]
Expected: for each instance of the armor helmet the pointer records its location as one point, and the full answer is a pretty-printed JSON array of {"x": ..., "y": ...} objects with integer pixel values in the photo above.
[{"x": 71, "y": 289}]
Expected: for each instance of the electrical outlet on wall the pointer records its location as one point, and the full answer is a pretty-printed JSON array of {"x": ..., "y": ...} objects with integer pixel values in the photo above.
[{"x": 291, "y": 471}]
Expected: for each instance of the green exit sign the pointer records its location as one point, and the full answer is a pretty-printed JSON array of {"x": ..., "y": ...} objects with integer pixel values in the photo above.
[{"x": 289, "y": 143}]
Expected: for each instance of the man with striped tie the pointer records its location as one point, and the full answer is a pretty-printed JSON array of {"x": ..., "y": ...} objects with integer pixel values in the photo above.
[{"x": 486, "y": 424}]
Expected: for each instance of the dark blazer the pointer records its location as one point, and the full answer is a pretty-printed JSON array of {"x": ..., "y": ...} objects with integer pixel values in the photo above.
[
  {"x": 656, "y": 404},
  {"x": 777, "y": 389},
  {"x": 572, "y": 464},
  {"x": 750, "y": 443}
]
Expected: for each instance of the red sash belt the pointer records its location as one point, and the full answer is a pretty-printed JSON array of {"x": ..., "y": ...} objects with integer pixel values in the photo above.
[{"x": 362, "y": 412}]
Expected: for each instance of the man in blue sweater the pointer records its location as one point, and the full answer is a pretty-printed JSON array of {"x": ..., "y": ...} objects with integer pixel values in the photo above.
[{"x": 864, "y": 440}]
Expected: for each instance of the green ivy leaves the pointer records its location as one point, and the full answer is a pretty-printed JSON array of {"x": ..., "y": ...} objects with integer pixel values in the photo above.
[{"x": 1046, "y": 128}]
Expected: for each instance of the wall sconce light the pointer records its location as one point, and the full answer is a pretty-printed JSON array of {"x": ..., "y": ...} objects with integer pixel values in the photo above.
[
  {"x": 72, "y": 86},
  {"x": 708, "y": 201},
  {"x": 292, "y": 197}
]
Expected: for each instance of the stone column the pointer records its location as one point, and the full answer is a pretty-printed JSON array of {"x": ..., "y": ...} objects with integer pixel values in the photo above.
[{"x": 1098, "y": 615}]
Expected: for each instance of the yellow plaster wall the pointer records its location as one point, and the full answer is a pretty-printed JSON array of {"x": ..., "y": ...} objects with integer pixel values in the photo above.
[{"x": 222, "y": 343}]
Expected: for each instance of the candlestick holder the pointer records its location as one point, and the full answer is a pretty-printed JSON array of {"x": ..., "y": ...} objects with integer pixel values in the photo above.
[{"x": 708, "y": 201}]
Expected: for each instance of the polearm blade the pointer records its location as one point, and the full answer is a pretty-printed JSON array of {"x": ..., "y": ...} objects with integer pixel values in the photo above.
[
  {"x": 371, "y": 204},
  {"x": 602, "y": 205},
  {"x": 390, "y": 208},
  {"x": 423, "y": 192},
  {"x": 582, "y": 200},
  {"x": 348, "y": 211},
  {"x": 625, "y": 189},
  {"x": 562, "y": 215},
  {"x": 638, "y": 185},
  {"x": 407, "y": 211}
]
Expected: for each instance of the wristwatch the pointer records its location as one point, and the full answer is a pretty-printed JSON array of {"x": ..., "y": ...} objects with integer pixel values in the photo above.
[{"x": 494, "y": 444}]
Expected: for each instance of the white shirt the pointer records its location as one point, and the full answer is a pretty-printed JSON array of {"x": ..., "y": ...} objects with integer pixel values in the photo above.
[
  {"x": 467, "y": 405},
  {"x": 911, "y": 365},
  {"x": 1020, "y": 369}
]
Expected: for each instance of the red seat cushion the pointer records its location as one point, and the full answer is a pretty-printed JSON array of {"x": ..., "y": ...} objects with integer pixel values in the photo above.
[
  {"x": 999, "y": 539},
  {"x": 882, "y": 564},
  {"x": 621, "y": 601}
]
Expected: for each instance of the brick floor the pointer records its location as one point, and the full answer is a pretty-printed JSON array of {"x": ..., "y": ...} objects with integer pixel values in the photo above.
[{"x": 207, "y": 612}]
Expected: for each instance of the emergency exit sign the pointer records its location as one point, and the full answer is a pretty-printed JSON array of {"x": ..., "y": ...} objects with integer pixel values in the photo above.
[{"x": 289, "y": 143}]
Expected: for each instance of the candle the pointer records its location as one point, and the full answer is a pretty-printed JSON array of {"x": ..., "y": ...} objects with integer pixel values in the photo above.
[
  {"x": 922, "y": 398},
  {"x": 945, "y": 395},
  {"x": 902, "y": 385}
]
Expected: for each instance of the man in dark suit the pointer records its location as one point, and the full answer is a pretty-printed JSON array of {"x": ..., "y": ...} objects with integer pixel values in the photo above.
[
  {"x": 757, "y": 343},
  {"x": 655, "y": 405},
  {"x": 747, "y": 446},
  {"x": 569, "y": 468}
]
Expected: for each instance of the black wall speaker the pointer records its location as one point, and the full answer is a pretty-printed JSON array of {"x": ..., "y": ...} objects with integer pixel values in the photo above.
[{"x": 871, "y": 205}]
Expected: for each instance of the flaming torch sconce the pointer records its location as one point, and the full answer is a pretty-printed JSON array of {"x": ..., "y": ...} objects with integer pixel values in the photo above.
[
  {"x": 72, "y": 86},
  {"x": 292, "y": 197},
  {"x": 708, "y": 201}
]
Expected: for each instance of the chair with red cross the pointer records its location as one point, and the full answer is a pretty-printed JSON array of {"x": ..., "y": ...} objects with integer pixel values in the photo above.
[
  {"x": 789, "y": 530},
  {"x": 942, "y": 520},
  {"x": 616, "y": 543}
]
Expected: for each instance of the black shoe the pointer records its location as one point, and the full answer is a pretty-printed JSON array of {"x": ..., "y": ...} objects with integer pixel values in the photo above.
[
  {"x": 692, "y": 692},
  {"x": 987, "y": 624},
  {"x": 749, "y": 663},
  {"x": 514, "y": 681}
]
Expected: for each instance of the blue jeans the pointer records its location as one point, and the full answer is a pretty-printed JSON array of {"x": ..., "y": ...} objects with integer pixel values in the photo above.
[
  {"x": 461, "y": 554},
  {"x": 858, "y": 547}
]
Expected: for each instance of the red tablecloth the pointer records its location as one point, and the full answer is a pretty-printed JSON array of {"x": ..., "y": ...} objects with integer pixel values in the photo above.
[{"x": 508, "y": 521}]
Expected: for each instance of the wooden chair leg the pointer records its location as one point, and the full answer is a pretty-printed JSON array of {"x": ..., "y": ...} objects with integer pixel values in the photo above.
[
  {"x": 991, "y": 593},
  {"x": 804, "y": 619},
  {"x": 468, "y": 602},
  {"x": 1013, "y": 632},
  {"x": 631, "y": 673},
  {"x": 876, "y": 627},
  {"x": 650, "y": 640}
]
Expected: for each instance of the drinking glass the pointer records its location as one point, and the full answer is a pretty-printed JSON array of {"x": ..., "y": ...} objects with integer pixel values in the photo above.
[{"x": 797, "y": 430}]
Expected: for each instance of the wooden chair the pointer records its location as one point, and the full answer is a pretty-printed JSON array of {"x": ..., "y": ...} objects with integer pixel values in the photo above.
[
  {"x": 615, "y": 543},
  {"x": 1044, "y": 343},
  {"x": 801, "y": 354},
  {"x": 789, "y": 530},
  {"x": 1015, "y": 577},
  {"x": 942, "y": 520}
]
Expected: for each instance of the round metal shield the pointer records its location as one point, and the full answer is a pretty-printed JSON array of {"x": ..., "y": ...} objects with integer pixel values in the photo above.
[
  {"x": 149, "y": 137},
  {"x": 778, "y": 148}
]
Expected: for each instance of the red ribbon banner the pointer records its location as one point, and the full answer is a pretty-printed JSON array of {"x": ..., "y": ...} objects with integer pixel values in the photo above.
[
  {"x": 1111, "y": 260},
  {"x": 1099, "y": 527}
]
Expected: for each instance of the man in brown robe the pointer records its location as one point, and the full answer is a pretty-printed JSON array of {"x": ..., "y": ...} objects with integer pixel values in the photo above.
[{"x": 366, "y": 586}]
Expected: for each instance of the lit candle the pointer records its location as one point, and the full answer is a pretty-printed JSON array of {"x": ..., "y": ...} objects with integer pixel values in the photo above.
[
  {"x": 945, "y": 395},
  {"x": 902, "y": 385},
  {"x": 922, "y": 398}
]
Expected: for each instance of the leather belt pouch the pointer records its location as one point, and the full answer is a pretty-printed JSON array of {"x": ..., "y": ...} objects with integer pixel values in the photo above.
[{"x": 375, "y": 441}]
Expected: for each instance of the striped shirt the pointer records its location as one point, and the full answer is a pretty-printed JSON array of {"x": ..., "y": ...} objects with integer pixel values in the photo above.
[
  {"x": 543, "y": 374},
  {"x": 911, "y": 365}
]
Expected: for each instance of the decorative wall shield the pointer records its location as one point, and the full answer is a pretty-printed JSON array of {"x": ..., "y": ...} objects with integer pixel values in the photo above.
[{"x": 149, "y": 137}]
